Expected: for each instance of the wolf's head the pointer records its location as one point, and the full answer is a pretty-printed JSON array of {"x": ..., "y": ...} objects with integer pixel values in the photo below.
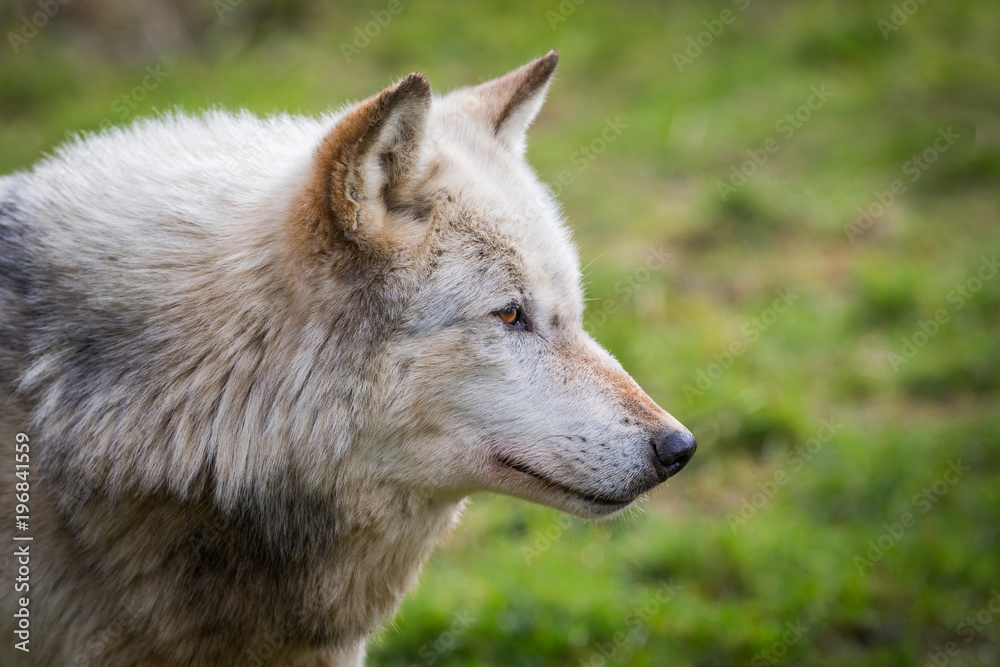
[{"x": 483, "y": 376}]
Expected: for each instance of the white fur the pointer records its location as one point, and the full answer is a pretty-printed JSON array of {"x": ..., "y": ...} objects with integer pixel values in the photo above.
[{"x": 246, "y": 364}]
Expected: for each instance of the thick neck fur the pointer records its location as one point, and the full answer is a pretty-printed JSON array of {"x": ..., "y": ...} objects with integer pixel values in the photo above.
[
  {"x": 218, "y": 483},
  {"x": 312, "y": 575},
  {"x": 237, "y": 515}
]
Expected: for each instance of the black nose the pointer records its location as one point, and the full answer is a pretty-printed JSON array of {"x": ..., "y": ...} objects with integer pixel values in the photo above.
[{"x": 674, "y": 448}]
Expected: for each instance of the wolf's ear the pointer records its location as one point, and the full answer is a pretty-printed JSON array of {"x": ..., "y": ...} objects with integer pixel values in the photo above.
[
  {"x": 366, "y": 161},
  {"x": 509, "y": 104}
]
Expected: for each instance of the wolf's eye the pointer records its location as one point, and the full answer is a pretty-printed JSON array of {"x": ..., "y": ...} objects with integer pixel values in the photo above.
[{"x": 511, "y": 314}]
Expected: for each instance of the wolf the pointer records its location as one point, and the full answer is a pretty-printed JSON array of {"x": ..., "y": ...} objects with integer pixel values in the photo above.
[{"x": 252, "y": 368}]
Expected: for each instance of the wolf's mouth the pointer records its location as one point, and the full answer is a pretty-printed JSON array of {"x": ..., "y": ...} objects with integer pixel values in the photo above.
[{"x": 589, "y": 497}]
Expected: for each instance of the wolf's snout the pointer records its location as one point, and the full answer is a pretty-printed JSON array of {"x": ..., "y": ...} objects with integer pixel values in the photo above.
[{"x": 673, "y": 448}]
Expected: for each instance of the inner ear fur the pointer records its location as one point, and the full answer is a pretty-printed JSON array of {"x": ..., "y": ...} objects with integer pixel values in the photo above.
[
  {"x": 369, "y": 156},
  {"x": 510, "y": 103}
]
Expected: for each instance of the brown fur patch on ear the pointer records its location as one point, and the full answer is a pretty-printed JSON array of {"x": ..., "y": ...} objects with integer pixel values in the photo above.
[
  {"x": 521, "y": 85},
  {"x": 331, "y": 206}
]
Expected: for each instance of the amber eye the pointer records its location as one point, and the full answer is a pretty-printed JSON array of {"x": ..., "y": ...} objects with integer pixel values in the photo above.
[{"x": 511, "y": 314}]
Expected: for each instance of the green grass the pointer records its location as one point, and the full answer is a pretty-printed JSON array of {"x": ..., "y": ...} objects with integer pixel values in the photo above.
[{"x": 768, "y": 524}]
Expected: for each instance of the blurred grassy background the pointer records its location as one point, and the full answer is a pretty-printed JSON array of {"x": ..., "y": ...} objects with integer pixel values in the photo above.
[{"x": 843, "y": 505}]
